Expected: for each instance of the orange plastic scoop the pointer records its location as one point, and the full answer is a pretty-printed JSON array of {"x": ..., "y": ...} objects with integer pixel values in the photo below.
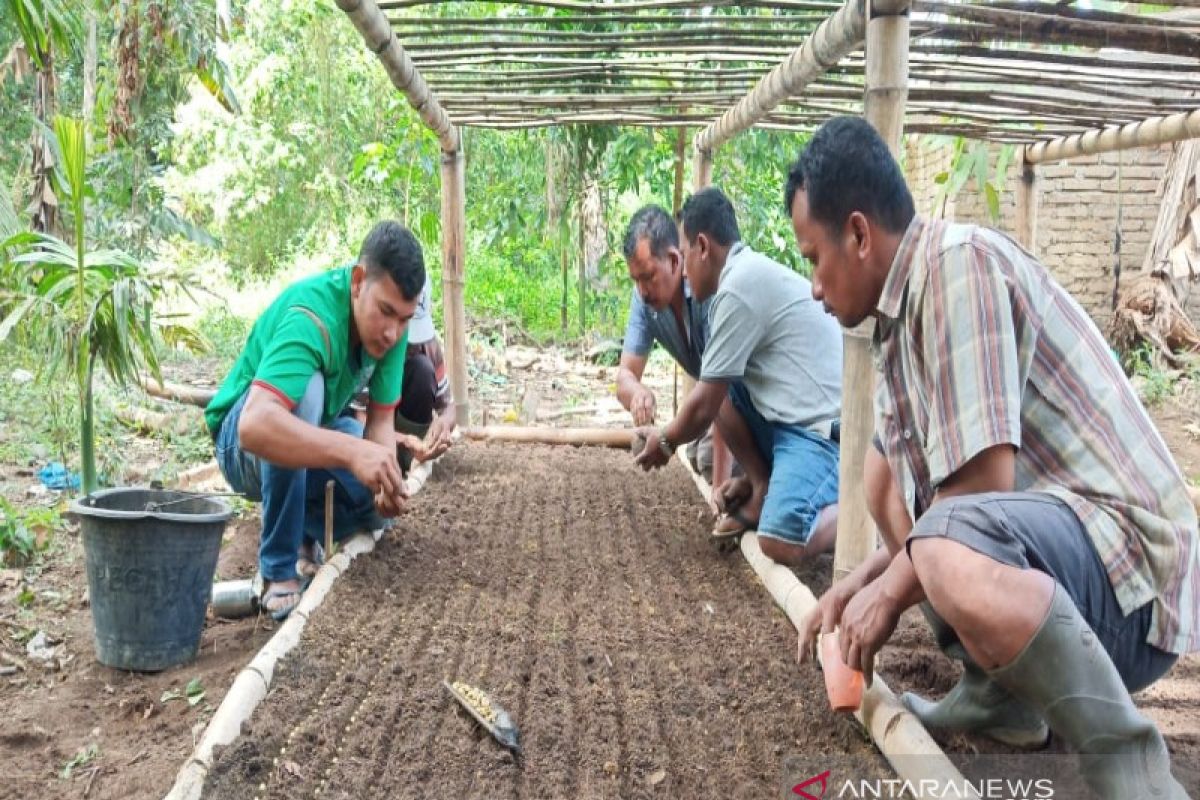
[{"x": 843, "y": 684}]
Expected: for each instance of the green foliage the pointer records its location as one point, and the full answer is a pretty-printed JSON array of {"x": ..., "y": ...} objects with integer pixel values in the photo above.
[
  {"x": 26, "y": 533},
  {"x": 83, "y": 757},
  {"x": 752, "y": 170},
  {"x": 82, "y": 307},
  {"x": 970, "y": 160},
  {"x": 1155, "y": 383}
]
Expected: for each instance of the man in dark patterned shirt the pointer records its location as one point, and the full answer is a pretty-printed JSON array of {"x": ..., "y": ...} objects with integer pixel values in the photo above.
[{"x": 1020, "y": 488}]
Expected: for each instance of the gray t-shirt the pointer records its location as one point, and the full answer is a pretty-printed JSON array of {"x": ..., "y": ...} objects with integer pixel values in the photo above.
[
  {"x": 766, "y": 330},
  {"x": 647, "y": 326}
]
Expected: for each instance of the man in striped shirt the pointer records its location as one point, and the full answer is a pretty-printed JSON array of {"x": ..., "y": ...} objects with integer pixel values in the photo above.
[{"x": 1023, "y": 495}]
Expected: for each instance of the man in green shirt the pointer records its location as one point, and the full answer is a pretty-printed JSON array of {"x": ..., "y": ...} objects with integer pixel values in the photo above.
[{"x": 277, "y": 421}]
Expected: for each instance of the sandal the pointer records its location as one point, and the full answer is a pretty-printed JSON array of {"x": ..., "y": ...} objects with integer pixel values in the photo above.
[
  {"x": 280, "y": 614},
  {"x": 307, "y": 566},
  {"x": 744, "y": 524}
]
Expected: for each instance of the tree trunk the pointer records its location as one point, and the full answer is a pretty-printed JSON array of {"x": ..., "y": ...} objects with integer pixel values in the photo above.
[
  {"x": 1175, "y": 245},
  {"x": 89, "y": 77},
  {"x": 45, "y": 202}
]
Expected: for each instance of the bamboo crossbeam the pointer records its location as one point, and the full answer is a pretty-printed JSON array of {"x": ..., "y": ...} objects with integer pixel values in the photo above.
[
  {"x": 833, "y": 38},
  {"x": 602, "y": 437},
  {"x": 1031, "y": 25},
  {"x": 635, "y": 5},
  {"x": 1149, "y": 132},
  {"x": 378, "y": 35},
  {"x": 457, "y": 23}
]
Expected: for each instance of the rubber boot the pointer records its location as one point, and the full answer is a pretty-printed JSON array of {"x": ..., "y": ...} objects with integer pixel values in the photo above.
[
  {"x": 976, "y": 703},
  {"x": 1065, "y": 673}
]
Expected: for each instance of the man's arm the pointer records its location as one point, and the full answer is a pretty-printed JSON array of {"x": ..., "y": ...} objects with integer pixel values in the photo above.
[
  {"x": 632, "y": 393},
  {"x": 268, "y": 429},
  {"x": 697, "y": 413},
  {"x": 871, "y": 614}
]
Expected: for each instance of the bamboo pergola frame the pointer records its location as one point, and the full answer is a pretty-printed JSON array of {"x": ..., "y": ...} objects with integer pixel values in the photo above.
[{"x": 1059, "y": 80}]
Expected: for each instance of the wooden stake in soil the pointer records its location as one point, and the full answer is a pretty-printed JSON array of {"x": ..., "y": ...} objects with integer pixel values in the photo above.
[{"x": 328, "y": 519}]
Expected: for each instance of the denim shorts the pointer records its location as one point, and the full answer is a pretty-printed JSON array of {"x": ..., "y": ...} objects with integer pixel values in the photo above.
[
  {"x": 804, "y": 472},
  {"x": 1035, "y": 530}
]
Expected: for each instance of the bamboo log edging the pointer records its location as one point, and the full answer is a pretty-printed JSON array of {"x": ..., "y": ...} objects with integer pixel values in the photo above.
[
  {"x": 1148, "y": 132},
  {"x": 250, "y": 686},
  {"x": 602, "y": 437},
  {"x": 898, "y": 734},
  {"x": 189, "y": 395},
  {"x": 379, "y": 37},
  {"x": 834, "y": 38}
]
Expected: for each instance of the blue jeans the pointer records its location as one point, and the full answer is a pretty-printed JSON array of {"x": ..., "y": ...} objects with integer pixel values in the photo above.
[
  {"x": 804, "y": 472},
  {"x": 293, "y": 500}
]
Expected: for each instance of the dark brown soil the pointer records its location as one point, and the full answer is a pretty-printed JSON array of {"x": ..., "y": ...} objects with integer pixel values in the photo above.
[{"x": 636, "y": 659}]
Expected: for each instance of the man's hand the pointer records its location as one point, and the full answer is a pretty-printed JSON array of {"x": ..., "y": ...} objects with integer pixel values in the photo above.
[
  {"x": 653, "y": 455},
  {"x": 825, "y": 617},
  {"x": 643, "y": 406},
  {"x": 420, "y": 449},
  {"x": 376, "y": 467},
  {"x": 389, "y": 507},
  {"x": 437, "y": 438},
  {"x": 867, "y": 623}
]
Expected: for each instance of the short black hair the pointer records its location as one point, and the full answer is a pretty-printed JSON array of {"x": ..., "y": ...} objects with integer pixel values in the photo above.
[
  {"x": 655, "y": 224},
  {"x": 391, "y": 248},
  {"x": 709, "y": 211},
  {"x": 846, "y": 167}
]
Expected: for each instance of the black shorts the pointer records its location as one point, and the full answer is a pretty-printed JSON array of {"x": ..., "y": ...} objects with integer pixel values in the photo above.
[{"x": 1034, "y": 530}]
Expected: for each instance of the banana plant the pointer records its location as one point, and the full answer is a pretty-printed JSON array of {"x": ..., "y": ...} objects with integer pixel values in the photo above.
[{"x": 84, "y": 307}]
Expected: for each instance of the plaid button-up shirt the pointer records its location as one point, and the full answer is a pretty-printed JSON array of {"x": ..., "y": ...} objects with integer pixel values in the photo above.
[{"x": 977, "y": 346}]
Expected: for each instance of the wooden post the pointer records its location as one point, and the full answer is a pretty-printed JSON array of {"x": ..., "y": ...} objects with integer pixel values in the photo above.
[
  {"x": 1027, "y": 203},
  {"x": 884, "y": 101},
  {"x": 454, "y": 200},
  {"x": 702, "y": 167},
  {"x": 328, "y": 520},
  {"x": 680, "y": 151}
]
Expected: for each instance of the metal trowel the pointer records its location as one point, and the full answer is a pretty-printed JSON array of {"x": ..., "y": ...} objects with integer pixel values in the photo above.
[{"x": 494, "y": 719}]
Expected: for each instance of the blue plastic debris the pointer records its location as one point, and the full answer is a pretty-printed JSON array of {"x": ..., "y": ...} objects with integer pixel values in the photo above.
[{"x": 55, "y": 476}]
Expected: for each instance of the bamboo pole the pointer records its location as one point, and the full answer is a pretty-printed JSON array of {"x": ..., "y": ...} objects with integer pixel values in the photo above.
[
  {"x": 378, "y": 35},
  {"x": 1148, "y": 132},
  {"x": 833, "y": 39},
  {"x": 190, "y": 395},
  {"x": 1145, "y": 35},
  {"x": 454, "y": 201},
  {"x": 603, "y": 437},
  {"x": 1027, "y": 203},
  {"x": 884, "y": 103}
]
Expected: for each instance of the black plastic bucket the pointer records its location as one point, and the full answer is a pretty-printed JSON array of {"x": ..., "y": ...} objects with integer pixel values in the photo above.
[{"x": 151, "y": 557}]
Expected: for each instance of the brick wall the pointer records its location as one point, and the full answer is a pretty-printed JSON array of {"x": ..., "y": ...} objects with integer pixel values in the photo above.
[{"x": 1077, "y": 223}]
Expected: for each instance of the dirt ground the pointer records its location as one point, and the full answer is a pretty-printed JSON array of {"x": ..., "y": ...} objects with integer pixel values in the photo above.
[
  {"x": 636, "y": 659},
  {"x": 55, "y": 712}
]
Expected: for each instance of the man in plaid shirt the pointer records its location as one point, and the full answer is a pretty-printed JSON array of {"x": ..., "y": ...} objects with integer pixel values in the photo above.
[{"x": 1023, "y": 495}]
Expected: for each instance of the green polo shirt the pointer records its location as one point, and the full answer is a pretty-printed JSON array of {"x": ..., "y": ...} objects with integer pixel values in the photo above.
[{"x": 305, "y": 331}]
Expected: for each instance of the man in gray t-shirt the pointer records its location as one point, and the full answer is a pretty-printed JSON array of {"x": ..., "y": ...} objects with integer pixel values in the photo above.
[{"x": 771, "y": 377}]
